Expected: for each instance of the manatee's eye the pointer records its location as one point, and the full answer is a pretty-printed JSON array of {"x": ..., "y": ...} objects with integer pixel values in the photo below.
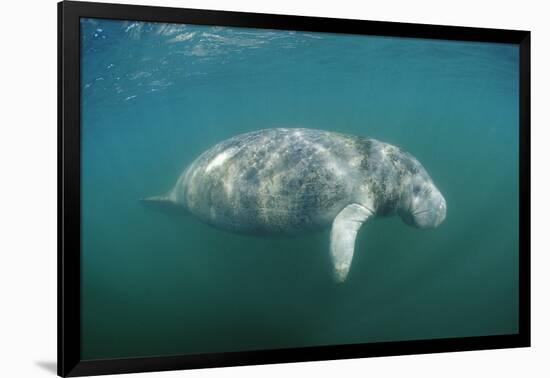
[{"x": 416, "y": 189}]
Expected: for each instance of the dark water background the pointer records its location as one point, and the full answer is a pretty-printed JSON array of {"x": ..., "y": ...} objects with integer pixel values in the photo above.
[{"x": 154, "y": 96}]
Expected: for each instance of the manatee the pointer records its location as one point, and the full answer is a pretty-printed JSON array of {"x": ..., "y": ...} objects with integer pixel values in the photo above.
[{"x": 285, "y": 181}]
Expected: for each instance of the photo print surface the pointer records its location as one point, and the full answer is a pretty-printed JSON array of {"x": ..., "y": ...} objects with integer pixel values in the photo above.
[{"x": 254, "y": 189}]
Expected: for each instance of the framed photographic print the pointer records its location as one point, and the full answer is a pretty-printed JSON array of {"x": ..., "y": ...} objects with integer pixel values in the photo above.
[{"x": 239, "y": 188}]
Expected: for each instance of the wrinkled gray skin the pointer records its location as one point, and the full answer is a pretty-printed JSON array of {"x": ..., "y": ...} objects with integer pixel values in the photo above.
[{"x": 290, "y": 181}]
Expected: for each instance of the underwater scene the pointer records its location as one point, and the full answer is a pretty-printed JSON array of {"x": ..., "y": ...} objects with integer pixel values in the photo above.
[{"x": 249, "y": 189}]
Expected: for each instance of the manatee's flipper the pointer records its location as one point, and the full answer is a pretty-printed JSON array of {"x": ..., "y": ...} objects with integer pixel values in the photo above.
[
  {"x": 342, "y": 238},
  {"x": 164, "y": 202}
]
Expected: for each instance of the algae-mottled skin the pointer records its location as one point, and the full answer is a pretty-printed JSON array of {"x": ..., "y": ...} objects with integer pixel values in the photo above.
[{"x": 289, "y": 181}]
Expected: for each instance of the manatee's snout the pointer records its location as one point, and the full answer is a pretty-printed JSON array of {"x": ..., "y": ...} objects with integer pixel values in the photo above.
[
  {"x": 427, "y": 208},
  {"x": 433, "y": 215}
]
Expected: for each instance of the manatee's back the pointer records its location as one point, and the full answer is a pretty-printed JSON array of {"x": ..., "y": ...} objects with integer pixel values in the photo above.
[{"x": 271, "y": 181}]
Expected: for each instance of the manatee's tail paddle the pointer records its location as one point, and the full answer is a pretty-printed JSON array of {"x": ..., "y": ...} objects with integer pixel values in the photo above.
[{"x": 165, "y": 203}]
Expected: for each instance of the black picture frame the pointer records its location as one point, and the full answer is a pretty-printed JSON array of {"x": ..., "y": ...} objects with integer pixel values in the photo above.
[{"x": 69, "y": 361}]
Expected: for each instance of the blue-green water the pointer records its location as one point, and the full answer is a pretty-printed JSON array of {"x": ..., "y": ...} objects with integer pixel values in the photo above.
[{"x": 154, "y": 96}]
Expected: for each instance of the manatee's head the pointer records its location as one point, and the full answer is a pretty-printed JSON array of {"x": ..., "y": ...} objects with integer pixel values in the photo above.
[{"x": 423, "y": 205}]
